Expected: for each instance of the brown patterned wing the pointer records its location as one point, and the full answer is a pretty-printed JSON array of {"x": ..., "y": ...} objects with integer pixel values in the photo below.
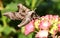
[
  {"x": 14, "y": 16},
  {"x": 18, "y": 15}
]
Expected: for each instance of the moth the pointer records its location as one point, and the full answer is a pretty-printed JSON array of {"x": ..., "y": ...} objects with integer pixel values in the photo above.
[{"x": 24, "y": 14}]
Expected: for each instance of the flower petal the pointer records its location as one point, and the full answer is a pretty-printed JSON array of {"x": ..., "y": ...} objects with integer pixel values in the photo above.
[{"x": 29, "y": 27}]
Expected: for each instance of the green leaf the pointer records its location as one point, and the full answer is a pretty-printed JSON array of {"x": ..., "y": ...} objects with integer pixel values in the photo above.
[
  {"x": 7, "y": 30},
  {"x": 58, "y": 5},
  {"x": 55, "y": 1},
  {"x": 1, "y": 28},
  {"x": 39, "y": 2},
  {"x": 11, "y": 7},
  {"x": 23, "y": 29},
  {"x": 28, "y": 2},
  {"x": 30, "y": 35},
  {"x": 21, "y": 35},
  {"x": 13, "y": 30},
  {"x": 33, "y": 4},
  {"x": 19, "y": 1}
]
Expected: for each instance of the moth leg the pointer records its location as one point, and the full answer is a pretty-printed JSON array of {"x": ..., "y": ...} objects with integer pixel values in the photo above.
[{"x": 24, "y": 22}]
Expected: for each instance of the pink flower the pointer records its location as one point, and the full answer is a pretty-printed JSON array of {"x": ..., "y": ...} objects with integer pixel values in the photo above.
[
  {"x": 29, "y": 27},
  {"x": 59, "y": 27},
  {"x": 55, "y": 17},
  {"x": 44, "y": 24},
  {"x": 42, "y": 33},
  {"x": 48, "y": 17}
]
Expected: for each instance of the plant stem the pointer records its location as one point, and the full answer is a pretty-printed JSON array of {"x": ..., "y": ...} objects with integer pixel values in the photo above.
[
  {"x": 4, "y": 20},
  {"x": 33, "y": 4}
]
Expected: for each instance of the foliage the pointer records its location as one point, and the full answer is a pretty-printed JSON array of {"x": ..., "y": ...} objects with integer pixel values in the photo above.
[{"x": 8, "y": 28}]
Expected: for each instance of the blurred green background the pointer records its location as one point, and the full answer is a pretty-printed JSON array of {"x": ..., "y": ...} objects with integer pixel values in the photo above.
[{"x": 9, "y": 29}]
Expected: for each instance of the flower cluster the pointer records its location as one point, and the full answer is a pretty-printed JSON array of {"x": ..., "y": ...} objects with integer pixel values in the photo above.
[{"x": 43, "y": 26}]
